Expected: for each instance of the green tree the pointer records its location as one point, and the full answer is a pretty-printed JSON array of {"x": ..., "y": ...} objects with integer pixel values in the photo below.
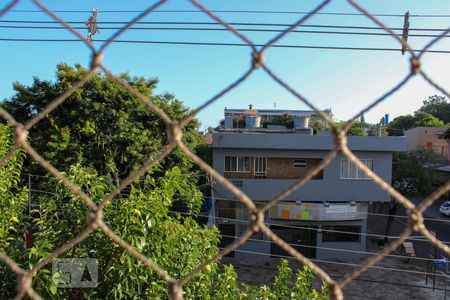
[
  {"x": 420, "y": 119},
  {"x": 13, "y": 206},
  {"x": 210, "y": 129},
  {"x": 205, "y": 152},
  {"x": 286, "y": 285},
  {"x": 412, "y": 172},
  {"x": 438, "y": 106},
  {"x": 413, "y": 175},
  {"x": 401, "y": 123},
  {"x": 99, "y": 135},
  {"x": 316, "y": 125},
  {"x": 357, "y": 129},
  {"x": 424, "y": 119},
  {"x": 143, "y": 219},
  {"x": 101, "y": 125}
]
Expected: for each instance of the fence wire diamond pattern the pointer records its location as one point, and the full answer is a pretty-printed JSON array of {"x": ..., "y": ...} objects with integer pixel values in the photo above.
[{"x": 174, "y": 131}]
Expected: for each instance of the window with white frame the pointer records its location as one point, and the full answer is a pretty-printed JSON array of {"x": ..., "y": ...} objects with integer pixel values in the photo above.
[
  {"x": 350, "y": 171},
  {"x": 237, "y": 164},
  {"x": 260, "y": 167}
]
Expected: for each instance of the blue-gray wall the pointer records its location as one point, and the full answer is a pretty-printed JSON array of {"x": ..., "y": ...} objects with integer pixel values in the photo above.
[
  {"x": 260, "y": 250},
  {"x": 343, "y": 253},
  {"x": 293, "y": 141},
  {"x": 330, "y": 188}
]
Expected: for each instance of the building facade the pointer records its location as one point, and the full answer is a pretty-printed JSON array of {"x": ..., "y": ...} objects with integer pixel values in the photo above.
[
  {"x": 445, "y": 136},
  {"x": 322, "y": 219},
  {"x": 420, "y": 138}
]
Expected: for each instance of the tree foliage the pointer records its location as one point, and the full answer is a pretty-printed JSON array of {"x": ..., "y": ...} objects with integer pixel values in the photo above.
[
  {"x": 437, "y": 106},
  {"x": 286, "y": 285},
  {"x": 144, "y": 220},
  {"x": 357, "y": 129},
  {"x": 316, "y": 125},
  {"x": 402, "y": 123},
  {"x": 101, "y": 125},
  {"x": 412, "y": 171},
  {"x": 412, "y": 175},
  {"x": 13, "y": 205},
  {"x": 435, "y": 112},
  {"x": 419, "y": 119},
  {"x": 99, "y": 135},
  {"x": 424, "y": 119}
]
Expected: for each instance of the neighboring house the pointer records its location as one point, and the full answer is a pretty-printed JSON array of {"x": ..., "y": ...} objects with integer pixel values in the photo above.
[
  {"x": 329, "y": 211},
  {"x": 206, "y": 136},
  {"x": 420, "y": 138},
  {"x": 445, "y": 136}
]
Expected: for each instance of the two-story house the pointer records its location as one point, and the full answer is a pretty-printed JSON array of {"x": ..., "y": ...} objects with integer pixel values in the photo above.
[
  {"x": 322, "y": 219},
  {"x": 427, "y": 138}
]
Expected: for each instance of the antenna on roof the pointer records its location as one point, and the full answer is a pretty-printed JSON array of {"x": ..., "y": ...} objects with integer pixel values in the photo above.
[
  {"x": 274, "y": 105},
  {"x": 250, "y": 106}
]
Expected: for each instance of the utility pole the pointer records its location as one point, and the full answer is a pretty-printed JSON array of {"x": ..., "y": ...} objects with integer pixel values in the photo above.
[{"x": 405, "y": 32}]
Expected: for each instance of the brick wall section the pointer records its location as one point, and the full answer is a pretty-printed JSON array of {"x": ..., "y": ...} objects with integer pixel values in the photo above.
[
  {"x": 278, "y": 168},
  {"x": 283, "y": 168},
  {"x": 240, "y": 175}
]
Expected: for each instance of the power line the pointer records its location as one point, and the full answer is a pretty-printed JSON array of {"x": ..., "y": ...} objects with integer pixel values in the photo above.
[
  {"x": 302, "y": 245},
  {"x": 218, "y": 24},
  {"x": 222, "y": 44},
  {"x": 342, "y": 263},
  {"x": 406, "y": 217},
  {"x": 275, "y": 224},
  {"x": 316, "y": 229},
  {"x": 214, "y": 11},
  {"x": 239, "y": 12},
  {"x": 374, "y": 214},
  {"x": 232, "y": 200},
  {"x": 338, "y": 276},
  {"x": 220, "y": 29},
  {"x": 245, "y": 221},
  {"x": 335, "y": 249}
]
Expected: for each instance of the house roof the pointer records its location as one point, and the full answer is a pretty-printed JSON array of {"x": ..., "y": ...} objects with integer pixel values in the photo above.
[
  {"x": 209, "y": 138},
  {"x": 206, "y": 136},
  {"x": 275, "y": 112},
  {"x": 293, "y": 141}
]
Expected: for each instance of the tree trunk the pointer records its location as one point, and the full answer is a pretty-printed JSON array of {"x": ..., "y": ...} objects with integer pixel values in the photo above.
[{"x": 392, "y": 212}]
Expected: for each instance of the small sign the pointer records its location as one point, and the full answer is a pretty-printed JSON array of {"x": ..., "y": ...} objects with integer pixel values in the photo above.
[
  {"x": 340, "y": 209},
  {"x": 285, "y": 213},
  {"x": 439, "y": 263},
  {"x": 303, "y": 215},
  {"x": 317, "y": 211}
]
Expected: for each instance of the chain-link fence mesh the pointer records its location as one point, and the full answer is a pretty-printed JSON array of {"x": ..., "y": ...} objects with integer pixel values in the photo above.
[{"x": 174, "y": 130}]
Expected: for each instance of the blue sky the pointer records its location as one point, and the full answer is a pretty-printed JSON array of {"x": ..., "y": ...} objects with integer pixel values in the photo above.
[{"x": 344, "y": 81}]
